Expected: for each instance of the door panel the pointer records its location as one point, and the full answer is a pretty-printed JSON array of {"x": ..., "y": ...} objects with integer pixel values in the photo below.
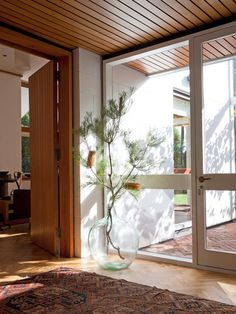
[
  {"x": 44, "y": 174},
  {"x": 216, "y": 158}
]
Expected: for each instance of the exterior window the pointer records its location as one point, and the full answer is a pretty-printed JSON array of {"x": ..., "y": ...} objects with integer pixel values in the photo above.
[
  {"x": 25, "y": 130},
  {"x": 234, "y": 76},
  {"x": 25, "y": 153}
]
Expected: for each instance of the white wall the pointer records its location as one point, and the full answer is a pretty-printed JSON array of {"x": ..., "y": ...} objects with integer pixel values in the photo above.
[
  {"x": 219, "y": 154},
  {"x": 10, "y": 122},
  {"x": 87, "y": 97},
  {"x": 218, "y": 137}
]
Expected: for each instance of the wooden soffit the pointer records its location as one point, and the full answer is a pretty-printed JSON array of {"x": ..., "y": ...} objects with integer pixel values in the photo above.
[
  {"x": 179, "y": 57},
  {"x": 109, "y": 27}
]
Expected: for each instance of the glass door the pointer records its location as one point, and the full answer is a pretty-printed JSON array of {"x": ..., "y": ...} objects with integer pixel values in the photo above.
[
  {"x": 215, "y": 102},
  {"x": 162, "y": 212}
]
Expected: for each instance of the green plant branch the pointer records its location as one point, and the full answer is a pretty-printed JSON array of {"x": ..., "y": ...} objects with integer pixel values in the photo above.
[
  {"x": 99, "y": 179},
  {"x": 106, "y": 129}
]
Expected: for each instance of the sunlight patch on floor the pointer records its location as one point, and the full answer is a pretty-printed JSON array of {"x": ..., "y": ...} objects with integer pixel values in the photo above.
[
  {"x": 8, "y": 235},
  {"x": 230, "y": 290}
]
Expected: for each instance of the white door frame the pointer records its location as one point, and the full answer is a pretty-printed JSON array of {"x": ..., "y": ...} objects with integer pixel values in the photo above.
[
  {"x": 194, "y": 87},
  {"x": 205, "y": 257}
]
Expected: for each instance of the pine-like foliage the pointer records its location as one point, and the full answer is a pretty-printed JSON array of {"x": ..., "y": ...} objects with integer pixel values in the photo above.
[{"x": 106, "y": 129}]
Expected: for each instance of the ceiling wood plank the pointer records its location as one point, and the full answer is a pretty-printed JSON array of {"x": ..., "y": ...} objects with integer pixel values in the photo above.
[
  {"x": 173, "y": 58},
  {"x": 219, "y": 46},
  {"x": 35, "y": 21},
  {"x": 178, "y": 12},
  {"x": 8, "y": 19},
  {"x": 62, "y": 18},
  {"x": 164, "y": 60},
  {"x": 116, "y": 18},
  {"x": 30, "y": 30},
  {"x": 207, "y": 53},
  {"x": 227, "y": 45},
  {"x": 180, "y": 55},
  {"x": 21, "y": 9},
  {"x": 196, "y": 10},
  {"x": 215, "y": 51},
  {"x": 144, "y": 68},
  {"x": 230, "y": 4},
  {"x": 206, "y": 7},
  {"x": 152, "y": 63},
  {"x": 231, "y": 40},
  {"x": 91, "y": 25},
  {"x": 165, "y": 20},
  {"x": 217, "y": 5},
  {"x": 184, "y": 51},
  {"x": 67, "y": 31},
  {"x": 134, "y": 10}
]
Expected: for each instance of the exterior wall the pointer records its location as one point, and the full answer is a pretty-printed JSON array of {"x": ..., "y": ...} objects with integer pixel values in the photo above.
[
  {"x": 10, "y": 123},
  {"x": 219, "y": 137},
  {"x": 87, "y": 97},
  {"x": 153, "y": 213}
]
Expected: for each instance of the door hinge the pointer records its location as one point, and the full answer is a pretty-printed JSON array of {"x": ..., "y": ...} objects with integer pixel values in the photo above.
[
  {"x": 58, "y": 154},
  {"x": 58, "y": 232},
  {"x": 58, "y": 75}
]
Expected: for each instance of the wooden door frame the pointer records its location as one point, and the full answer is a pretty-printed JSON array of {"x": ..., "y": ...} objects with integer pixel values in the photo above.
[{"x": 41, "y": 48}]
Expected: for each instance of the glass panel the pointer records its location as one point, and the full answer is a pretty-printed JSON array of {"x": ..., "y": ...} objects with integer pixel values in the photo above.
[
  {"x": 219, "y": 104},
  {"x": 173, "y": 236},
  {"x": 160, "y": 102},
  {"x": 220, "y": 221},
  {"x": 25, "y": 106},
  {"x": 25, "y": 152}
]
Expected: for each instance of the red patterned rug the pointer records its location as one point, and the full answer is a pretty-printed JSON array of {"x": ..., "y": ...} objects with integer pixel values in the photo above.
[{"x": 67, "y": 290}]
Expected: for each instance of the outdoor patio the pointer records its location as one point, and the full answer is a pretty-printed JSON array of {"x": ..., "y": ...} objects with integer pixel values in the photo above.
[{"x": 220, "y": 238}]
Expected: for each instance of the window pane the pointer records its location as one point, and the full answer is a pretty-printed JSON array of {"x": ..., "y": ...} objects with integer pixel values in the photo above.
[
  {"x": 25, "y": 150},
  {"x": 219, "y": 124},
  {"x": 220, "y": 221}
]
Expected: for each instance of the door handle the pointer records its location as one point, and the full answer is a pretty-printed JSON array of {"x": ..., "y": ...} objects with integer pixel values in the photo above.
[{"x": 202, "y": 179}]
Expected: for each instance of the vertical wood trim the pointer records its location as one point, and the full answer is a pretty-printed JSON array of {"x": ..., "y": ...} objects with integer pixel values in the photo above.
[
  {"x": 76, "y": 143},
  {"x": 65, "y": 163}
]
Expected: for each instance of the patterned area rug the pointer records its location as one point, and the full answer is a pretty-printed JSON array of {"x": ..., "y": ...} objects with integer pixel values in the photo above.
[{"x": 67, "y": 290}]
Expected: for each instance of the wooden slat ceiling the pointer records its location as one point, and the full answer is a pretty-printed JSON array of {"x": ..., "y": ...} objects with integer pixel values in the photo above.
[
  {"x": 179, "y": 57},
  {"x": 107, "y": 27}
]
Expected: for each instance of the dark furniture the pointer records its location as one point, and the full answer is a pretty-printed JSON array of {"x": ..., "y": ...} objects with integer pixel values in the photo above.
[
  {"x": 4, "y": 185},
  {"x": 21, "y": 204}
]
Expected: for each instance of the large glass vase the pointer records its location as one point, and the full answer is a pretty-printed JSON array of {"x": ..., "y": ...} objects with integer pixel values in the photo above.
[{"x": 113, "y": 242}]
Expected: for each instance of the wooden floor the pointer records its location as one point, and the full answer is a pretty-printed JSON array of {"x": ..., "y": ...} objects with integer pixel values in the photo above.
[{"x": 20, "y": 258}]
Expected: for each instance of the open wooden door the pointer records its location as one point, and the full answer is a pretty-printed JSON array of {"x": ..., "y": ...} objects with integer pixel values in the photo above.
[{"x": 43, "y": 148}]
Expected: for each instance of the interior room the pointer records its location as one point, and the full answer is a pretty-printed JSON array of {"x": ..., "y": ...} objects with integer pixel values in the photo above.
[
  {"x": 117, "y": 158},
  {"x": 16, "y": 67}
]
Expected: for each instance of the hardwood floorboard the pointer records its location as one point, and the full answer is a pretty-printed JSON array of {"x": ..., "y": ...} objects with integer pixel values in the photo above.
[{"x": 20, "y": 258}]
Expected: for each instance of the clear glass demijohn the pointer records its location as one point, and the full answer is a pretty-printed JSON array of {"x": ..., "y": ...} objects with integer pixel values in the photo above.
[{"x": 113, "y": 242}]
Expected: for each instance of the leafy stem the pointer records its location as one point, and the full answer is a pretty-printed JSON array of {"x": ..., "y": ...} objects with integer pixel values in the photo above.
[{"x": 106, "y": 129}]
